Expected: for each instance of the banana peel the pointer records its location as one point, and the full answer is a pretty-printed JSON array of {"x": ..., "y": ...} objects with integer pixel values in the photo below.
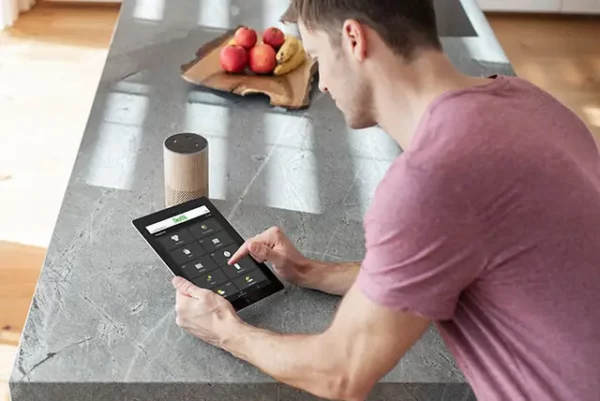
[{"x": 293, "y": 63}]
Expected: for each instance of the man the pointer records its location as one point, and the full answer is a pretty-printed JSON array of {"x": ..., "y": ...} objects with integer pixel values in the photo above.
[{"x": 487, "y": 225}]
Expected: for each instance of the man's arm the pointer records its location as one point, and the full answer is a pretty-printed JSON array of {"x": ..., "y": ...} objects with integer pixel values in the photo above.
[
  {"x": 332, "y": 278},
  {"x": 289, "y": 264},
  {"x": 363, "y": 343}
]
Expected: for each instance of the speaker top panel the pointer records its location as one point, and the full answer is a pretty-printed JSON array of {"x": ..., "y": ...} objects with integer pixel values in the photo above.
[{"x": 186, "y": 143}]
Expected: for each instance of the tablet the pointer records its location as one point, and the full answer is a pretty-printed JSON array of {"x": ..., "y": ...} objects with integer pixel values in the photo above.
[{"x": 195, "y": 241}]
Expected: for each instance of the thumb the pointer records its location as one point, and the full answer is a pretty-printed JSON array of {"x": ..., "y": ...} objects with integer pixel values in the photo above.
[
  {"x": 264, "y": 253},
  {"x": 187, "y": 288}
]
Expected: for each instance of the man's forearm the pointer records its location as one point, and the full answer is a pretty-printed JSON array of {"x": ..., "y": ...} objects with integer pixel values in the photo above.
[
  {"x": 296, "y": 360},
  {"x": 332, "y": 278}
]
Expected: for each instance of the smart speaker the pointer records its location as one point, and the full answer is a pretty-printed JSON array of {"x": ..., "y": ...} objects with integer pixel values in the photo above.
[{"x": 186, "y": 168}]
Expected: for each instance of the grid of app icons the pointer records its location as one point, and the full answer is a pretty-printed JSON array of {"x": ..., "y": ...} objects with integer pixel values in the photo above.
[{"x": 202, "y": 250}]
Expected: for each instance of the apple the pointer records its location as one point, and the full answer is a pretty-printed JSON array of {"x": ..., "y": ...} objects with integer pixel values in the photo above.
[
  {"x": 262, "y": 59},
  {"x": 233, "y": 58},
  {"x": 274, "y": 37},
  {"x": 245, "y": 37}
]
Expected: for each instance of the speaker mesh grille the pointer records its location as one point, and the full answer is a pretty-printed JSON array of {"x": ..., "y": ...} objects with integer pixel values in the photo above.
[{"x": 173, "y": 197}]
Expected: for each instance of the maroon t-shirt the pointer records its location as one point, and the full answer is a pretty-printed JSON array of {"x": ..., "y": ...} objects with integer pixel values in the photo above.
[{"x": 489, "y": 224}]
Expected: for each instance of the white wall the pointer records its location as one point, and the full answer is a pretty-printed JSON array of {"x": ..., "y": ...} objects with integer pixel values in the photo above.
[
  {"x": 521, "y": 5},
  {"x": 581, "y": 6},
  {"x": 544, "y": 6}
]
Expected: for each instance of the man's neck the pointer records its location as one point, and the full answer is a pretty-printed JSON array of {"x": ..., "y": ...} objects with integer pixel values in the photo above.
[{"x": 402, "y": 93}]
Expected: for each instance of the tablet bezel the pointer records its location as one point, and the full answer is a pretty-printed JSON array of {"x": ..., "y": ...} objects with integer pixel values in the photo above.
[{"x": 249, "y": 297}]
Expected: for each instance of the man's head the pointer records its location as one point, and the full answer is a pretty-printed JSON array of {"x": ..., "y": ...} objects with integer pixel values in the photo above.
[{"x": 344, "y": 34}]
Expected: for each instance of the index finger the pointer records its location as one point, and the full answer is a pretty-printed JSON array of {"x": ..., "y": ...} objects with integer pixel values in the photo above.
[
  {"x": 266, "y": 238},
  {"x": 240, "y": 253}
]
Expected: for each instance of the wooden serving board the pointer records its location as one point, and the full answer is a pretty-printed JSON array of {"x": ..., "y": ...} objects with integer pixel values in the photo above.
[{"x": 291, "y": 91}]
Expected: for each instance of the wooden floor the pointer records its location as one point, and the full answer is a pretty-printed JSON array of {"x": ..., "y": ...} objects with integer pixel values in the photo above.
[
  {"x": 561, "y": 55},
  {"x": 50, "y": 63}
]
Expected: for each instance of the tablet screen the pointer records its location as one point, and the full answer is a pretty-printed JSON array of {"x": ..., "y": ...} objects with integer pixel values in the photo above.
[{"x": 195, "y": 241}]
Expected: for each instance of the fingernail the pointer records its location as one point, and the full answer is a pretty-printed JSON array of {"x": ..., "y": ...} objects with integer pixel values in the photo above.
[{"x": 177, "y": 280}]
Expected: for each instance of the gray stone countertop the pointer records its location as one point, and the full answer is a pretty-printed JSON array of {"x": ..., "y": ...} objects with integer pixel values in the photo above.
[{"x": 102, "y": 324}]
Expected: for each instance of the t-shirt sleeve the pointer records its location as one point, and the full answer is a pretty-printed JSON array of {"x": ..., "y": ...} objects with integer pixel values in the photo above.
[{"x": 422, "y": 245}]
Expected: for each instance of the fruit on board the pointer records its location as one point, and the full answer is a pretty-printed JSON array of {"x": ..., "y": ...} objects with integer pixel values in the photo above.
[
  {"x": 274, "y": 37},
  {"x": 233, "y": 58},
  {"x": 290, "y": 56},
  {"x": 277, "y": 54},
  {"x": 245, "y": 37},
  {"x": 292, "y": 64},
  {"x": 291, "y": 46},
  {"x": 262, "y": 59}
]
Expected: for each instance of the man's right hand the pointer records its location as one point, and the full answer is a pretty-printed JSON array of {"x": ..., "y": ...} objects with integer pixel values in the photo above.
[{"x": 274, "y": 247}]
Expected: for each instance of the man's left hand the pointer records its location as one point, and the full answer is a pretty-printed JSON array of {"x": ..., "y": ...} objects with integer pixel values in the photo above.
[{"x": 203, "y": 313}]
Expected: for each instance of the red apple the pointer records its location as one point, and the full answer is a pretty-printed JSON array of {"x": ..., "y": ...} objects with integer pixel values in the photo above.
[
  {"x": 274, "y": 37},
  {"x": 245, "y": 37},
  {"x": 262, "y": 59},
  {"x": 233, "y": 58}
]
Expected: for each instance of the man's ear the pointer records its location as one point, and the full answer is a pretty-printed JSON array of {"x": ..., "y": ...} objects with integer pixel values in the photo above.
[{"x": 354, "y": 38}]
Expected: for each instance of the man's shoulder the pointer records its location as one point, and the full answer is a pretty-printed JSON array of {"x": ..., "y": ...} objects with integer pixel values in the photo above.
[
  {"x": 467, "y": 143},
  {"x": 412, "y": 188},
  {"x": 468, "y": 112}
]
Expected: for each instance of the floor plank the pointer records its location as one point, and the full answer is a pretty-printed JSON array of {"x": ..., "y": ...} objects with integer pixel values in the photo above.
[{"x": 19, "y": 270}]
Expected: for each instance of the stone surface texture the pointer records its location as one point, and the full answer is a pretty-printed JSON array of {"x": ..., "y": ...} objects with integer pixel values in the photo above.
[{"x": 102, "y": 322}]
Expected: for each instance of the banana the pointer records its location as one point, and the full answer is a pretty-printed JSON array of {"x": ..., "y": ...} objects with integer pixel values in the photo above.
[
  {"x": 293, "y": 63},
  {"x": 290, "y": 47}
]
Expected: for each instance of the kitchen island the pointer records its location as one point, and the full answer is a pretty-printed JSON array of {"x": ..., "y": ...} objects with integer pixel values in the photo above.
[{"x": 102, "y": 322}]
